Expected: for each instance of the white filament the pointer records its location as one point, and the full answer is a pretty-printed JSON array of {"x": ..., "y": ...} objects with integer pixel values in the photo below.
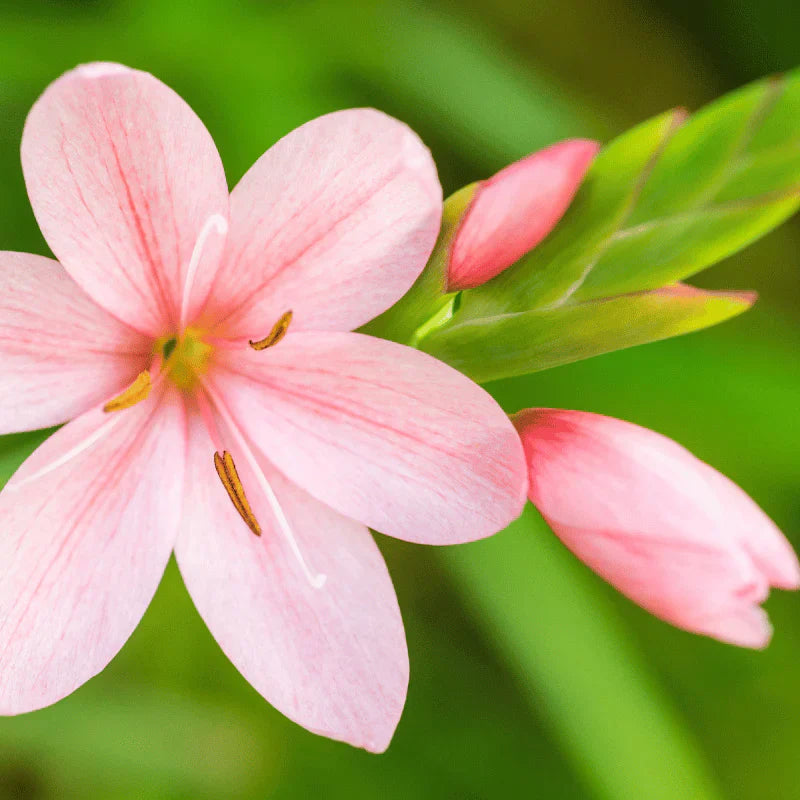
[
  {"x": 316, "y": 579},
  {"x": 215, "y": 223},
  {"x": 90, "y": 441},
  {"x": 79, "y": 448}
]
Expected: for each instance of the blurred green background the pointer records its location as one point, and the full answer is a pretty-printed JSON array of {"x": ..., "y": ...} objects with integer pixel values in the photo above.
[{"x": 530, "y": 678}]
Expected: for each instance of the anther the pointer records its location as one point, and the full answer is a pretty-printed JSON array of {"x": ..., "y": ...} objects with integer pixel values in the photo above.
[
  {"x": 139, "y": 390},
  {"x": 315, "y": 579},
  {"x": 229, "y": 477},
  {"x": 277, "y": 333}
]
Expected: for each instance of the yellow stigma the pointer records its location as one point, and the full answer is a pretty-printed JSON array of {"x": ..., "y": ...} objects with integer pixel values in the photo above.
[{"x": 185, "y": 358}]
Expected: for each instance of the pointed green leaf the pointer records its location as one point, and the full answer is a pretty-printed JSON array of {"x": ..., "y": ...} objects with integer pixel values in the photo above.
[
  {"x": 664, "y": 201},
  {"x": 713, "y": 191},
  {"x": 682, "y": 244},
  {"x": 516, "y": 344}
]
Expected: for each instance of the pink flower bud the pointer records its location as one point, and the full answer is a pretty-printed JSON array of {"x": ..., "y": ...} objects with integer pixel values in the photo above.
[
  {"x": 664, "y": 528},
  {"x": 511, "y": 212}
]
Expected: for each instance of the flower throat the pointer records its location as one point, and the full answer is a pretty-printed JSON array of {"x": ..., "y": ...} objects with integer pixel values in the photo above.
[{"x": 185, "y": 358}]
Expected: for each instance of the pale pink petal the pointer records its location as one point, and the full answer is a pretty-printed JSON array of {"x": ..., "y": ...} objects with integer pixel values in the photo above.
[
  {"x": 684, "y": 583},
  {"x": 333, "y": 659},
  {"x": 89, "y": 521},
  {"x": 661, "y": 526},
  {"x": 123, "y": 177},
  {"x": 60, "y": 354},
  {"x": 744, "y": 626},
  {"x": 382, "y": 433},
  {"x": 334, "y": 222},
  {"x": 758, "y": 534},
  {"x": 515, "y": 209}
]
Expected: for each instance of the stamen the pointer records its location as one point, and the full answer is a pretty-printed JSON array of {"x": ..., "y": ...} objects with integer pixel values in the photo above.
[
  {"x": 226, "y": 470},
  {"x": 218, "y": 224},
  {"x": 139, "y": 390},
  {"x": 277, "y": 333},
  {"x": 317, "y": 580}
]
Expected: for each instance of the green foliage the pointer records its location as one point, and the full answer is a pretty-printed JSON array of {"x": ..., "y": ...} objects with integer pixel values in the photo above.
[
  {"x": 664, "y": 201},
  {"x": 660, "y": 203},
  {"x": 516, "y": 344}
]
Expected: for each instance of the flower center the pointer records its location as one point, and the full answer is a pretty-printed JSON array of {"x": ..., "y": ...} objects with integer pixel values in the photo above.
[{"x": 186, "y": 357}]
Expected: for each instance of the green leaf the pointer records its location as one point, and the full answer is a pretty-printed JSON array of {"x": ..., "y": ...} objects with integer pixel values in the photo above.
[
  {"x": 579, "y": 670},
  {"x": 665, "y": 200},
  {"x": 515, "y": 344}
]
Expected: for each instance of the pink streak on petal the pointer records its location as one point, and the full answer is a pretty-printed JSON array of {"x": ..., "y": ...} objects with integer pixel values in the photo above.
[
  {"x": 83, "y": 549},
  {"x": 122, "y": 176},
  {"x": 684, "y": 290},
  {"x": 334, "y": 222},
  {"x": 664, "y": 528},
  {"x": 515, "y": 209},
  {"x": 380, "y": 432},
  {"x": 60, "y": 354},
  {"x": 332, "y": 659}
]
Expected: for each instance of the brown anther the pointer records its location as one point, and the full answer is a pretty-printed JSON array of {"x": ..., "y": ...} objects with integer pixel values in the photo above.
[
  {"x": 139, "y": 390},
  {"x": 229, "y": 477},
  {"x": 275, "y": 335}
]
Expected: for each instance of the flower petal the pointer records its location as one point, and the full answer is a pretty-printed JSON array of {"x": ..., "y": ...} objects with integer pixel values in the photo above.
[
  {"x": 699, "y": 588},
  {"x": 664, "y": 528},
  {"x": 60, "y": 354},
  {"x": 332, "y": 659},
  {"x": 757, "y": 533},
  {"x": 382, "y": 433},
  {"x": 746, "y": 626},
  {"x": 84, "y": 547},
  {"x": 515, "y": 209},
  {"x": 123, "y": 176},
  {"x": 334, "y": 222}
]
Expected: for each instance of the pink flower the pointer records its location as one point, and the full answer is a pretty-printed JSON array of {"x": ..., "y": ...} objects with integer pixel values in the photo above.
[
  {"x": 509, "y": 214},
  {"x": 664, "y": 528},
  {"x": 261, "y": 464}
]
